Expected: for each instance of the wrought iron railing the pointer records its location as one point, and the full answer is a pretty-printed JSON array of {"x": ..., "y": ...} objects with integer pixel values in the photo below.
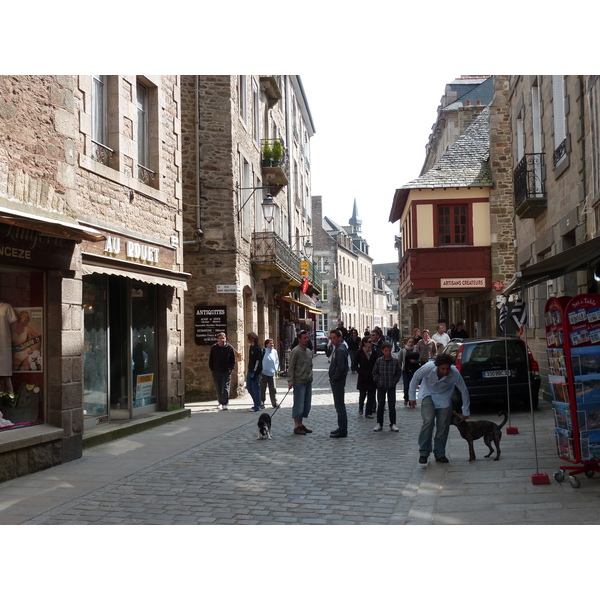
[
  {"x": 101, "y": 153},
  {"x": 314, "y": 276},
  {"x": 268, "y": 248},
  {"x": 560, "y": 152},
  {"x": 145, "y": 175},
  {"x": 529, "y": 178}
]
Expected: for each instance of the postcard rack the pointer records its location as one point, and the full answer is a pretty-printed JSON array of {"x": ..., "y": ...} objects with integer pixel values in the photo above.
[{"x": 573, "y": 350}]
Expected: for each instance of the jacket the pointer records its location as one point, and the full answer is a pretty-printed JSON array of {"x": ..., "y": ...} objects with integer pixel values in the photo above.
[
  {"x": 386, "y": 373},
  {"x": 363, "y": 365},
  {"x": 270, "y": 362},
  {"x": 300, "y": 365},
  {"x": 221, "y": 358},
  {"x": 338, "y": 367},
  {"x": 255, "y": 360}
]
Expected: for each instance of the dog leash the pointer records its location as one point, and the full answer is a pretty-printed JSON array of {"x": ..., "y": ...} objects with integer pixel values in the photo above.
[
  {"x": 277, "y": 407},
  {"x": 289, "y": 390}
]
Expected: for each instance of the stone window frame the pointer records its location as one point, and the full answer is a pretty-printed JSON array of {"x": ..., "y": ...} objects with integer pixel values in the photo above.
[{"x": 121, "y": 107}]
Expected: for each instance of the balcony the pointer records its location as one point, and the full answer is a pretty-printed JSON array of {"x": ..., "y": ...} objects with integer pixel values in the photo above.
[
  {"x": 423, "y": 269},
  {"x": 272, "y": 257},
  {"x": 530, "y": 194},
  {"x": 274, "y": 164},
  {"x": 270, "y": 86}
]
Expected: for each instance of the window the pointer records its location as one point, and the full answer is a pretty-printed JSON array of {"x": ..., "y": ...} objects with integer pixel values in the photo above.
[
  {"x": 99, "y": 110},
  {"x": 325, "y": 292},
  {"x": 558, "y": 111},
  {"x": 100, "y": 150},
  {"x": 142, "y": 125},
  {"x": 245, "y": 192},
  {"x": 242, "y": 97},
  {"x": 255, "y": 113},
  {"x": 452, "y": 225}
]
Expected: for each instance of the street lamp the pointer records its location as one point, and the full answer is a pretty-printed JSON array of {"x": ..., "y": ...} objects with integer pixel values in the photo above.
[{"x": 268, "y": 204}]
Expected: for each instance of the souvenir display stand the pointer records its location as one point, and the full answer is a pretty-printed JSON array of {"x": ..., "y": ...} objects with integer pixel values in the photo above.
[{"x": 573, "y": 349}]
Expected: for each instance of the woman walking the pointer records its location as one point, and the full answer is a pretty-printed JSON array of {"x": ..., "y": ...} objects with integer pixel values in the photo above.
[{"x": 426, "y": 347}]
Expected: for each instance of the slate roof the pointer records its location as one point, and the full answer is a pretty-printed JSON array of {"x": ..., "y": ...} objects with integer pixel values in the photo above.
[{"x": 465, "y": 164}]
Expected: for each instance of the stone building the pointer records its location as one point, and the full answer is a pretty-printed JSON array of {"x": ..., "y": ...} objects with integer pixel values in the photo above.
[
  {"x": 457, "y": 225},
  {"x": 90, "y": 258},
  {"x": 555, "y": 166},
  {"x": 246, "y": 152},
  {"x": 342, "y": 255}
]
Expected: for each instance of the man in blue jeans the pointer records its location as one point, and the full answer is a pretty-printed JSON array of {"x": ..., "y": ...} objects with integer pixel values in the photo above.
[
  {"x": 338, "y": 369},
  {"x": 300, "y": 376},
  {"x": 437, "y": 379}
]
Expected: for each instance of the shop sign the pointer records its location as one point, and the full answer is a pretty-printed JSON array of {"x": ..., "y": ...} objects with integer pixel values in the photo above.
[
  {"x": 131, "y": 250},
  {"x": 208, "y": 321},
  {"x": 304, "y": 268},
  {"x": 458, "y": 282},
  {"x": 30, "y": 248},
  {"x": 228, "y": 289}
]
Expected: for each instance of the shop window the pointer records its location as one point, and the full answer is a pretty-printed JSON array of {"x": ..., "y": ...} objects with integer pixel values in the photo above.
[
  {"x": 120, "y": 366},
  {"x": 22, "y": 350}
]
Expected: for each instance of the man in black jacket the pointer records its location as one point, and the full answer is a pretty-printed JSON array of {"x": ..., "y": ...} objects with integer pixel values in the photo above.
[
  {"x": 338, "y": 369},
  {"x": 221, "y": 362}
]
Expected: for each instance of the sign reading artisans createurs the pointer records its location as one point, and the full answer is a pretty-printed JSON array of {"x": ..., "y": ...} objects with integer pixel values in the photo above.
[
  {"x": 462, "y": 282},
  {"x": 208, "y": 321}
]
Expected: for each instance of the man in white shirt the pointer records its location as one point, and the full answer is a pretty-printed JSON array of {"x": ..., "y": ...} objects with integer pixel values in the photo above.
[
  {"x": 437, "y": 380},
  {"x": 441, "y": 338}
]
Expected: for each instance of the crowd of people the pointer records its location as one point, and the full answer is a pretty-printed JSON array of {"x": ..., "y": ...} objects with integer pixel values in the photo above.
[{"x": 379, "y": 364}]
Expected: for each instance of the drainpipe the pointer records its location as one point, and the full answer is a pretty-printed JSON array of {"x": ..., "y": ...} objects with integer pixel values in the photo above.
[
  {"x": 288, "y": 146},
  {"x": 199, "y": 233}
]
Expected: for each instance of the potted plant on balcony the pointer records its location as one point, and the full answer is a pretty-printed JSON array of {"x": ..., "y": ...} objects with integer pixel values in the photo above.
[
  {"x": 267, "y": 154},
  {"x": 277, "y": 153}
]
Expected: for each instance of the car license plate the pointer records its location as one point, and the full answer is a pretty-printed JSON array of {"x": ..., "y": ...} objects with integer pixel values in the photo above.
[{"x": 490, "y": 374}]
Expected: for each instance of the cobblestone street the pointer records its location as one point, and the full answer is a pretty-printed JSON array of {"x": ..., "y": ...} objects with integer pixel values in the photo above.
[{"x": 211, "y": 469}]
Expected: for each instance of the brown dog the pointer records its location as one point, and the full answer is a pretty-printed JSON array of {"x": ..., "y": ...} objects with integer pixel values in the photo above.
[{"x": 473, "y": 430}]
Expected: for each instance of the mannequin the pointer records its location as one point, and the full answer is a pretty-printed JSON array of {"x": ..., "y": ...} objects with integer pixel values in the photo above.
[{"x": 7, "y": 318}]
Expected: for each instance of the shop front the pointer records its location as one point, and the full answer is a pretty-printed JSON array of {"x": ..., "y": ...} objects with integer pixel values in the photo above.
[
  {"x": 40, "y": 357},
  {"x": 128, "y": 299}
]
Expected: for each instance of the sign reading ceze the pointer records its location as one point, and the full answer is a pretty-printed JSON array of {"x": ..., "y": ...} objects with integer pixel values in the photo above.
[{"x": 457, "y": 282}]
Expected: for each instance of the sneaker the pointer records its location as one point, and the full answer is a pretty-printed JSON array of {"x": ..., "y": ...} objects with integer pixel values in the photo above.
[
  {"x": 253, "y": 409},
  {"x": 422, "y": 460},
  {"x": 262, "y": 407},
  {"x": 377, "y": 427},
  {"x": 223, "y": 406},
  {"x": 360, "y": 412},
  {"x": 393, "y": 428},
  {"x": 441, "y": 459}
]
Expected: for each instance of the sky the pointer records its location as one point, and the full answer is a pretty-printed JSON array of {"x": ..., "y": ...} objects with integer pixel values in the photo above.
[{"x": 371, "y": 131}]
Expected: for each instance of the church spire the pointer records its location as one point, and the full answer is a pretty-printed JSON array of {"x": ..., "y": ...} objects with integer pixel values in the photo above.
[{"x": 354, "y": 220}]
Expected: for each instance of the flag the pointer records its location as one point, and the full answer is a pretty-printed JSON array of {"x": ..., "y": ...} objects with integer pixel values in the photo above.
[
  {"x": 502, "y": 316},
  {"x": 519, "y": 315}
]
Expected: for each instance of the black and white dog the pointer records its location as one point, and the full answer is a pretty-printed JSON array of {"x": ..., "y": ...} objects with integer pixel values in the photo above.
[{"x": 264, "y": 427}]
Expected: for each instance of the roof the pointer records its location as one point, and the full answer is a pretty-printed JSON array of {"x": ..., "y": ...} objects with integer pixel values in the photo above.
[
  {"x": 479, "y": 91},
  {"x": 465, "y": 164}
]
